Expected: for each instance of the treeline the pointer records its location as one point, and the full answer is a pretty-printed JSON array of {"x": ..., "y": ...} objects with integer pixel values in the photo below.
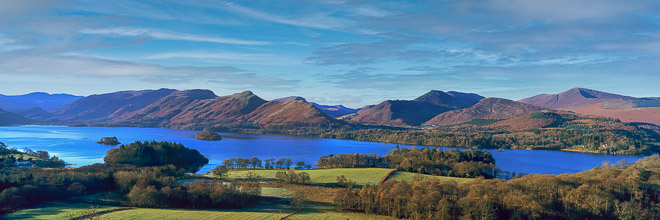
[
  {"x": 270, "y": 163},
  {"x": 126, "y": 171},
  {"x": 156, "y": 153},
  {"x": 435, "y": 161},
  {"x": 619, "y": 191},
  {"x": 596, "y": 137},
  {"x": 158, "y": 187},
  {"x": 10, "y": 156},
  {"x": 21, "y": 187}
]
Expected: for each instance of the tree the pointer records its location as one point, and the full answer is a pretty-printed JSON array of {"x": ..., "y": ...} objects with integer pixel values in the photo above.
[
  {"x": 300, "y": 165},
  {"x": 229, "y": 163},
  {"x": 252, "y": 176},
  {"x": 280, "y": 163},
  {"x": 293, "y": 177},
  {"x": 268, "y": 163},
  {"x": 304, "y": 177},
  {"x": 288, "y": 163},
  {"x": 281, "y": 177},
  {"x": 343, "y": 182},
  {"x": 254, "y": 161},
  {"x": 43, "y": 155},
  {"x": 220, "y": 170}
]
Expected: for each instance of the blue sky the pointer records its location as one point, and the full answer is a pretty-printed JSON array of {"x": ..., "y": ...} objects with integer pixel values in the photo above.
[{"x": 332, "y": 52}]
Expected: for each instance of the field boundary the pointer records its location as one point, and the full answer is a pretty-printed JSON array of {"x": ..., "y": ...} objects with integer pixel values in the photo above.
[
  {"x": 289, "y": 215},
  {"x": 102, "y": 212},
  {"x": 386, "y": 176}
]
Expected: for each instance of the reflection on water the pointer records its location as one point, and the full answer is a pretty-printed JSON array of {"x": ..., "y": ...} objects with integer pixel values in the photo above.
[{"x": 76, "y": 146}]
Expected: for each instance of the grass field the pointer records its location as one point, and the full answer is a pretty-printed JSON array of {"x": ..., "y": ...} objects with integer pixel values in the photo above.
[
  {"x": 412, "y": 177},
  {"x": 159, "y": 214},
  {"x": 54, "y": 210},
  {"x": 327, "y": 211},
  {"x": 361, "y": 176}
]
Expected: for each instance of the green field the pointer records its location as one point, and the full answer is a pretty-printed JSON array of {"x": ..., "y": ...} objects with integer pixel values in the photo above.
[
  {"x": 54, "y": 210},
  {"x": 361, "y": 176},
  {"x": 145, "y": 213},
  {"x": 411, "y": 177},
  {"x": 327, "y": 211}
]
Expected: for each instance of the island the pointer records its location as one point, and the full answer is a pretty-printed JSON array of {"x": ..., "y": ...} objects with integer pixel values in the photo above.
[
  {"x": 207, "y": 136},
  {"x": 109, "y": 141}
]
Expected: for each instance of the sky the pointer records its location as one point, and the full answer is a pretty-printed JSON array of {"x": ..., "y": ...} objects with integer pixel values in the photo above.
[{"x": 331, "y": 52}]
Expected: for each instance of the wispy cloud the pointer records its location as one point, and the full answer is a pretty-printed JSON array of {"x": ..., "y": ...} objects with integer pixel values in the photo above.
[
  {"x": 314, "y": 20},
  {"x": 163, "y": 35},
  {"x": 44, "y": 65},
  {"x": 233, "y": 57}
]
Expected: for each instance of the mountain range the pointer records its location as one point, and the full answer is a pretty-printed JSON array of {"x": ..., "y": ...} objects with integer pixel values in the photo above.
[
  {"x": 597, "y": 103},
  {"x": 36, "y": 99},
  {"x": 189, "y": 109}
]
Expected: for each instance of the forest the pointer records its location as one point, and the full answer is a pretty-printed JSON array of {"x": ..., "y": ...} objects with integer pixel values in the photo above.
[
  {"x": 610, "y": 191},
  {"x": 427, "y": 160},
  {"x": 157, "y": 153},
  {"x": 542, "y": 131}
]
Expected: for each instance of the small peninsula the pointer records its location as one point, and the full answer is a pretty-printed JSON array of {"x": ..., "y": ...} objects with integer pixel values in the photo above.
[
  {"x": 208, "y": 136},
  {"x": 109, "y": 141}
]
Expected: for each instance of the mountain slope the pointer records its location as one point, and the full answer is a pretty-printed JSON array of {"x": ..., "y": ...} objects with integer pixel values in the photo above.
[
  {"x": 36, "y": 99},
  {"x": 288, "y": 112},
  {"x": 489, "y": 108},
  {"x": 195, "y": 107},
  {"x": 455, "y": 100},
  {"x": 597, "y": 103},
  {"x": 105, "y": 107},
  {"x": 10, "y": 118},
  {"x": 164, "y": 109},
  {"x": 35, "y": 113},
  {"x": 334, "y": 111},
  {"x": 400, "y": 112}
]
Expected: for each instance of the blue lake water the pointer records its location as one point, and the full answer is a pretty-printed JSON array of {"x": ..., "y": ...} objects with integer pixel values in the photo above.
[{"x": 76, "y": 146}]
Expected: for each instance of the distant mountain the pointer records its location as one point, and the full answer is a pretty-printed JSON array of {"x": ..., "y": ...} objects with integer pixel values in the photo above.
[
  {"x": 489, "y": 108},
  {"x": 104, "y": 107},
  {"x": 597, "y": 103},
  {"x": 290, "y": 98},
  {"x": 37, "y": 99},
  {"x": 35, "y": 113},
  {"x": 191, "y": 107},
  {"x": 287, "y": 112},
  {"x": 415, "y": 112},
  {"x": 400, "y": 112},
  {"x": 455, "y": 100},
  {"x": 10, "y": 118},
  {"x": 334, "y": 111},
  {"x": 163, "y": 110}
]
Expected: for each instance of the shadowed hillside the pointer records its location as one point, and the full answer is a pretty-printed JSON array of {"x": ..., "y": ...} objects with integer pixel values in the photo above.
[{"x": 489, "y": 108}]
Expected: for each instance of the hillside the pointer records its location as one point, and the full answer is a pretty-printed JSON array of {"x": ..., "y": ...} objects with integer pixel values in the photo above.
[
  {"x": 535, "y": 131},
  {"x": 37, "y": 99},
  {"x": 489, "y": 108},
  {"x": 105, "y": 107},
  {"x": 10, "y": 118},
  {"x": 190, "y": 107},
  {"x": 36, "y": 113},
  {"x": 164, "y": 109},
  {"x": 454, "y": 100},
  {"x": 400, "y": 112},
  {"x": 414, "y": 112},
  {"x": 334, "y": 111},
  {"x": 597, "y": 103},
  {"x": 296, "y": 111}
]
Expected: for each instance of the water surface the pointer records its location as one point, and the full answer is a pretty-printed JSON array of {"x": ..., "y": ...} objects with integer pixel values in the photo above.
[{"x": 76, "y": 146}]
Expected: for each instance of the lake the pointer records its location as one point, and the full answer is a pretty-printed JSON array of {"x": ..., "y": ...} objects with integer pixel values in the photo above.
[{"x": 76, "y": 146}]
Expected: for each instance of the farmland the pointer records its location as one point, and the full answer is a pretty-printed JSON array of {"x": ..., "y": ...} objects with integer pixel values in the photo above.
[{"x": 361, "y": 176}]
